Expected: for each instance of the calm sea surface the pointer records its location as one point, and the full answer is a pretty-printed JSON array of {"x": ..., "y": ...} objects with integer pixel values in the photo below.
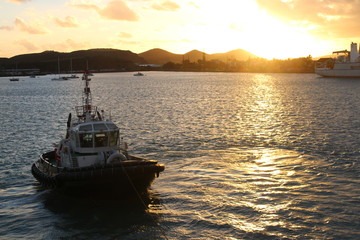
[{"x": 248, "y": 156}]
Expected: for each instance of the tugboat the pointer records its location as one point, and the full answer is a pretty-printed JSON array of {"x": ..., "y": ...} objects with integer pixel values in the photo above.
[{"x": 92, "y": 157}]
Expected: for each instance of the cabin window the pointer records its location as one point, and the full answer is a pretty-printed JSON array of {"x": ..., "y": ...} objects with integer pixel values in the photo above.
[
  {"x": 77, "y": 140},
  {"x": 100, "y": 127},
  {"x": 101, "y": 139},
  {"x": 111, "y": 126},
  {"x": 86, "y": 140},
  {"x": 85, "y": 128},
  {"x": 74, "y": 138},
  {"x": 113, "y": 138}
]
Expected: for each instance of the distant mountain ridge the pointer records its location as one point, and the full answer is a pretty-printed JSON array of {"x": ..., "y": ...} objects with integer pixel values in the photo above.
[
  {"x": 77, "y": 60},
  {"x": 160, "y": 56},
  {"x": 105, "y": 59}
]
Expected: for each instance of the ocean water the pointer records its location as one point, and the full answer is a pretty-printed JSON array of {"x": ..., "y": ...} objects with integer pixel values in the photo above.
[{"x": 248, "y": 156}]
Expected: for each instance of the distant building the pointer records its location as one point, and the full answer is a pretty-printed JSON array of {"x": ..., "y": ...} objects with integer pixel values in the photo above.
[
  {"x": 19, "y": 72},
  {"x": 150, "y": 65}
]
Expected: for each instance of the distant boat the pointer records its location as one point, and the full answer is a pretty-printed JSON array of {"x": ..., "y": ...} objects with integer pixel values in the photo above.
[
  {"x": 73, "y": 76},
  {"x": 59, "y": 78},
  {"x": 138, "y": 74},
  {"x": 71, "y": 70},
  {"x": 345, "y": 65},
  {"x": 15, "y": 79}
]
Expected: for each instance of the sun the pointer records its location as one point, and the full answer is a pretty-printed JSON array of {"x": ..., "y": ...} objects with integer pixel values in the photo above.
[
  {"x": 271, "y": 38},
  {"x": 268, "y": 37},
  {"x": 243, "y": 25}
]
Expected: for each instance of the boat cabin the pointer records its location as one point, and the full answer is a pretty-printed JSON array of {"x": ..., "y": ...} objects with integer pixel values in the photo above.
[{"x": 93, "y": 137}]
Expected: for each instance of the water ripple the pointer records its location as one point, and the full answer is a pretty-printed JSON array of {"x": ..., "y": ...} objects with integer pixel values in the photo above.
[{"x": 248, "y": 156}]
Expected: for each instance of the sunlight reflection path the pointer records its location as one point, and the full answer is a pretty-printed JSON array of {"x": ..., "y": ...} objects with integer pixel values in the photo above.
[{"x": 255, "y": 190}]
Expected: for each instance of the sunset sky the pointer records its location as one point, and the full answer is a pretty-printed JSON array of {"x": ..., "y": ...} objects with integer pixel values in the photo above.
[{"x": 266, "y": 28}]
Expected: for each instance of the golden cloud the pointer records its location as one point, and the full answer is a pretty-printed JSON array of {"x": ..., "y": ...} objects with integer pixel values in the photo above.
[
  {"x": 68, "y": 22},
  {"x": 335, "y": 18},
  {"x": 166, "y": 6},
  {"x": 125, "y": 35},
  {"x": 18, "y": 1},
  {"x": 66, "y": 45},
  {"x": 29, "y": 46},
  {"x": 33, "y": 28},
  {"x": 118, "y": 10},
  {"x": 8, "y": 28},
  {"x": 114, "y": 10}
]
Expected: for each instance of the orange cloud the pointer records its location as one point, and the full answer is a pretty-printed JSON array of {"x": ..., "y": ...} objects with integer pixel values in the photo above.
[
  {"x": 74, "y": 45},
  {"x": 68, "y": 22},
  {"x": 193, "y": 4},
  {"x": 85, "y": 6},
  {"x": 8, "y": 28},
  {"x": 331, "y": 18},
  {"x": 125, "y": 35},
  {"x": 29, "y": 46},
  {"x": 18, "y": 1},
  {"x": 35, "y": 28},
  {"x": 118, "y": 10},
  {"x": 67, "y": 45},
  {"x": 166, "y": 6},
  {"x": 114, "y": 10}
]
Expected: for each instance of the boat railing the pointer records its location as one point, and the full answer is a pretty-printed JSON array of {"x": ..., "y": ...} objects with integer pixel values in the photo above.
[
  {"x": 49, "y": 166},
  {"x": 82, "y": 110}
]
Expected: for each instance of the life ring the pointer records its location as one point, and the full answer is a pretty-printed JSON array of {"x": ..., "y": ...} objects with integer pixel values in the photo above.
[{"x": 113, "y": 158}]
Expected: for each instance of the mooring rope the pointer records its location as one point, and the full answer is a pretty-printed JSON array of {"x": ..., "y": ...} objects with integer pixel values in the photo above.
[{"x": 142, "y": 202}]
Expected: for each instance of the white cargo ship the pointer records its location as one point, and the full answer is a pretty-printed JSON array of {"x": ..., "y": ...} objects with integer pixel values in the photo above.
[{"x": 345, "y": 64}]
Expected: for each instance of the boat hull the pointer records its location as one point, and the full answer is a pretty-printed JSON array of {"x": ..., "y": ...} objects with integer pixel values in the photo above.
[
  {"x": 340, "y": 73},
  {"x": 134, "y": 175}
]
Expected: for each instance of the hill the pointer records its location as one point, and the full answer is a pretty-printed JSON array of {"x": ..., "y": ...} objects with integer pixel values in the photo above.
[
  {"x": 95, "y": 59},
  {"x": 159, "y": 56},
  {"x": 99, "y": 60},
  {"x": 237, "y": 54}
]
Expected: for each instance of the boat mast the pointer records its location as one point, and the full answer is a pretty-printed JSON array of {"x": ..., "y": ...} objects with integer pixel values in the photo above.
[
  {"x": 87, "y": 112},
  {"x": 87, "y": 98}
]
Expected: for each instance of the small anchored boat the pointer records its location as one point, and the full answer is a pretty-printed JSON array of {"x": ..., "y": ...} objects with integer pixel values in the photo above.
[
  {"x": 138, "y": 74},
  {"x": 63, "y": 78},
  {"x": 92, "y": 157}
]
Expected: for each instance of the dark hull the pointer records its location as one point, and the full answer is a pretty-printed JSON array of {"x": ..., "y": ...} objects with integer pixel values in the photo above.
[{"x": 133, "y": 175}]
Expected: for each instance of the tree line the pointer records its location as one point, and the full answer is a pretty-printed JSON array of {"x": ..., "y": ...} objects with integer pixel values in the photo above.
[{"x": 291, "y": 65}]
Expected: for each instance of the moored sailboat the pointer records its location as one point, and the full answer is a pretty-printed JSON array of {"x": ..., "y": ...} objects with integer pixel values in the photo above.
[{"x": 59, "y": 78}]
